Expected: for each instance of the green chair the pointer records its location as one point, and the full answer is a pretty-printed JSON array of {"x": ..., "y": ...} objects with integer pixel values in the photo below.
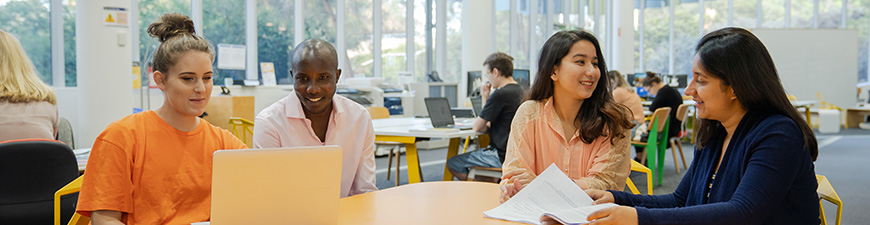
[{"x": 657, "y": 142}]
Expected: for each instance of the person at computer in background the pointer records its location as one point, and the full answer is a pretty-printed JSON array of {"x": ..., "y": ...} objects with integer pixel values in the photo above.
[
  {"x": 754, "y": 156},
  {"x": 312, "y": 115},
  {"x": 28, "y": 106},
  {"x": 495, "y": 117},
  {"x": 665, "y": 96},
  {"x": 154, "y": 167},
  {"x": 570, "y": 119},
  {"x": 624, "y": 94}
]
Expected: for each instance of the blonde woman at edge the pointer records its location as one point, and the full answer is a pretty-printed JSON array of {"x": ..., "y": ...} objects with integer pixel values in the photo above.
[
  {"x": 154, "y": 167},
  {"x": 28, "y": 107},
  {"x": 624, "y": 94}
]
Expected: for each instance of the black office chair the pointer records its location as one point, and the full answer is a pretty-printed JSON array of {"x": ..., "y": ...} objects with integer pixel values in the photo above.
[{"x": 31, "y": 171}]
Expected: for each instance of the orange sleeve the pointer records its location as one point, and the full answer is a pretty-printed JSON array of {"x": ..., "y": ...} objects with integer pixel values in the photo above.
[{"x": 107, "y": 185}]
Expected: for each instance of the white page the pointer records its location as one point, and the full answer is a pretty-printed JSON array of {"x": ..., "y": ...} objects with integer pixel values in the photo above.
[
  {"x": 551, "y": 191},
  {"x": 577, "y": 215}
]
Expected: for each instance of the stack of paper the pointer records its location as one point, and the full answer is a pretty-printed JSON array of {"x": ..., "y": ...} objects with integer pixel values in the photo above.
[{"x": 551, "y": 195}]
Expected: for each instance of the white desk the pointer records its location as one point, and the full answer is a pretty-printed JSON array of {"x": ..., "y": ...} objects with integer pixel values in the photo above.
[{"x": 399, "y": 130}]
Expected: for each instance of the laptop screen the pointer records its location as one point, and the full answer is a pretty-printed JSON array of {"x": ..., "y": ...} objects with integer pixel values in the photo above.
[
  {"x": 476, "y": 105},
  {"x": 439, "y": 112}
]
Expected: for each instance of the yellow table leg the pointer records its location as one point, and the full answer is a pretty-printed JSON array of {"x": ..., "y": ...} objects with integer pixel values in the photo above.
[
  {"x": 451, "y": 151},
  {"x": 809, "y": 121},
  {"x": 414, "y": 175}
]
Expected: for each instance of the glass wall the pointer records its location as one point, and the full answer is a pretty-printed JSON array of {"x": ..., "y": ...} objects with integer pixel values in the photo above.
[
  {"x": 686, "y": 20},
  {"x": 857, "y": 18},
  {"x": 394, "y": 42},
  {"x": 773, "y": 14},
  {"x": 521, "y": 57},
  {"x": 275, "y": 36},
  {"x": 28, "y": 20},
  {"x": 745, "y": 13},
  {"x": 149, "y": 12},
  {"x": 655, "y": 37},
  {"x": 358, "y": 38},
  {"x": 454, "y": 42},
  {"x": 715, "y": 15},
  {"x": 829, "y": 13},
  {"x": 801, "y": 14},
  {"x": 69, "y": 42}
]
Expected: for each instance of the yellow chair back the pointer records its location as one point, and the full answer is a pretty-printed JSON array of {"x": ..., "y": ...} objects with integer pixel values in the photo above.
[
  {"x": 378, "y": 112},
  {"x": 243, "y": 130}
]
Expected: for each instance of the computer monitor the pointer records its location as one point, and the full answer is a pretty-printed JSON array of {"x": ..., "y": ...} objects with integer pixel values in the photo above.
[
  {"x": 473, "y": 85},
  {"x": 522, "y": 77},
  {"x": 633, "y": 78},
  {"x": 682, "y": 80}
]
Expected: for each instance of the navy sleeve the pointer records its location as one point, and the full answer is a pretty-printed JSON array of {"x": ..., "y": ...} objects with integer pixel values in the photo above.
[
  {"x": 672, "y": 200},
  {"x": 774, "y": 157},
  {"x": 493, "y": 106}
]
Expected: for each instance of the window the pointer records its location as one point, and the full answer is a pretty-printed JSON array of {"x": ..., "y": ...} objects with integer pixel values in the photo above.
[
  {"x": 420, "y": 38},
  {"x": 686, "y": 16},
  {"x": 773, "y": 14},
  {"x": 858, "y": 19},
  {"x": 149, "y": 12},
  {"x": 320, "y": 19},
  {"x": 69, "y": 43},
  {"x": 224, "y": 23},
  {"x": 358, "y": 38},
  {"x": 28, "y": 20},
  {"x": 521, "y": 59},
  {"x": 801, "y": 14},
  {"x": 275, "y": 36},
  {"x": 715, "y": 15},
  {"x": 394, "y": 38},
  {"x": 655, "y": 37},
  {"x": 745, "y": 13},
  {"x": 830, "y": 13},
  {"x": 502, "y": 28},
  {"x": 454, "y": 42}
]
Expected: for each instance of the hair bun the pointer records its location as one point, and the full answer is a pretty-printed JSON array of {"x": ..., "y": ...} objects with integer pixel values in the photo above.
[
  {"x": 650, "y": 74},
  {"x": 171, "y": 25}
]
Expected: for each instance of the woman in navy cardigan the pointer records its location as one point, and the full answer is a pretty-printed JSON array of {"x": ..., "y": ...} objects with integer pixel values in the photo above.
[{"x": 754, "y": 156}]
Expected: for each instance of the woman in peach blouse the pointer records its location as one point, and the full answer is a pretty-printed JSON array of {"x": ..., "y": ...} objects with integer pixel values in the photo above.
[{"x": 570, "y": 119}]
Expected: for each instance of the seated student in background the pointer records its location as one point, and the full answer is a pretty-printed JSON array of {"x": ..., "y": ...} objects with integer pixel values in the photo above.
[
  {"x": 624, "y": 94},
  {"x": 495, "y": 117},
  {"x": 754, "y": 156},
  {"x": 154, "y": 167},
  {"x": 570, "y": 119},
  {"x": 312, "y": 115},
  {"x": 665, "y": 96},
  {"x": 28, "y": 107}
]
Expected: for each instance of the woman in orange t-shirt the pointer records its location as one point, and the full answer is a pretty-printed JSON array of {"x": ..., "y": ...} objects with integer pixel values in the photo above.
[{"x": 154, "y": 167}]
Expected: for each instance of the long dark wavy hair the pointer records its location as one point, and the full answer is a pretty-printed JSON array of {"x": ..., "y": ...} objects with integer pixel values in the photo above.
[
  {"x": 599, "y": 114},
  {"x": 741, "y": 61}
]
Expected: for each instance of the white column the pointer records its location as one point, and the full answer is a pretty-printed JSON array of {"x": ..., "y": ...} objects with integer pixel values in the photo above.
[
  {"x": 105, "y": 92},
  {"x": 340, "y": 45},
  {"x": 533, "y": 40},
  {"x": 410, "y": 46},
  {"x": 622, "y": 38},
  {"x": 196, "y": 16},
  {"x": 843, "y": 15},
  {"x": 475, "y": 35},
  {"x": 492, "y": 28},
  {"x": 298, "y": 22},
  {"x": 758, "y": 14},
  {"x": 252, "y": 68},
  {"x": 610, "y": 33},
  {"x": 441, "y": 37},
  {"x": 376, "y": 38},
  {"x": 58, "y": 73},
  {"x": 548, "y": 5},
  {"x": 730, "y": 13}
]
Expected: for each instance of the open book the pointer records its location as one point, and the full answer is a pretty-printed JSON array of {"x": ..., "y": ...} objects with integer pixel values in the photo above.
[{"x": 551, "y": 196}]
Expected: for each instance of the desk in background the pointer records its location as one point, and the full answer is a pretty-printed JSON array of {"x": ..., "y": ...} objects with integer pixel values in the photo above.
[
  {"x": 806, "y": 106},
  {"x": 856, "y": 115},
  {"x": 399, "y": 130},
  {"x": 450, "y": 202}
]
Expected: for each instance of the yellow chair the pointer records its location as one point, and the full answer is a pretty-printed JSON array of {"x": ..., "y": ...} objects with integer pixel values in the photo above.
[
  {"x": 675, "y": 141},
  {"x": 70, "y": 188},
  {"x": 657, "y": 142},
  {"x": 826, "y": 192},
  {"x": 636, "y": 166},
  {"x": 242, "y": 129},
  {"x": 826, "y": 105},
  {"x": 382, "y": 113}
]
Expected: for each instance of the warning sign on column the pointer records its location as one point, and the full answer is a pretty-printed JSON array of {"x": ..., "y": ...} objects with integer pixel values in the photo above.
[{"x": 115, "y": 16}]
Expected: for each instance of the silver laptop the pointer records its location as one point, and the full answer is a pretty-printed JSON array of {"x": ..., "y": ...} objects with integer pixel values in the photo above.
[
  {"x": 276, "y": 186},
  {"x": 440, "y": 114},
  {"x": 476, "y": 105}
]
